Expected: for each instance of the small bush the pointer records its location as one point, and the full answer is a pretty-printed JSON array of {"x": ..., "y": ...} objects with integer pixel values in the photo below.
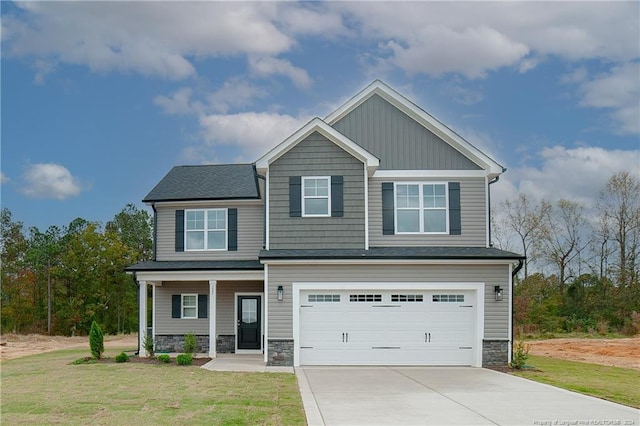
[
  {"x": 84, "y": 360},
  {"x": 184, "y": 359},
  {"x": 164, "y": 358},
  {"x": 149, "y": 345},
  {"x": 520, "y": 355},
  {"x": 190, "y": 343},
  {"x": 122, "y": 357},
  {"x": 96, "y": 340}
]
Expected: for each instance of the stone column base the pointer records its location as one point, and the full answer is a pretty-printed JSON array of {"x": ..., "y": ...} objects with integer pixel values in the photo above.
[
  {"x": 280, "y": 352},
  {"x": 495, "y": 353}
]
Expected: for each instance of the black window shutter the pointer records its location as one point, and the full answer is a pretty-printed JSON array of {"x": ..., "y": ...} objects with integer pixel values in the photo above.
[
  {"x": 295, "y": 196},
  {"x": 179, "y": 230},
  {"x": 232, "y": 237},
  {"x": 337, "y": 198},
  {"x": 202, "y": 306},
  {"x": 455, "y": 220},
  {"x": 388, "y": 219},
  {"x": 176, "y": 306}
]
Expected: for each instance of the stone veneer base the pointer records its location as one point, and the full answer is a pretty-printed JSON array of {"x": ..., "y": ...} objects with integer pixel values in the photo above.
[
  {"x": 175, "y": 343},
  {"x": 280, "y": 352},
  {"x": 495, "y": 353}
]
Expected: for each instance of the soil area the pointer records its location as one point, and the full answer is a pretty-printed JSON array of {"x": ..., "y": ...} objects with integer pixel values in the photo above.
[
  {"x": 19, "y": 345},
  {"x": 614, "y": 352}
]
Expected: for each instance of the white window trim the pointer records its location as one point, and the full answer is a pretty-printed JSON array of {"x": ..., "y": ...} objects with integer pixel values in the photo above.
[
  {"x": 421, "y": 207},
  {"x": 182, "y": 296},
  {"x": 206, "y": 235},
  {"x": 328, "y": 197}
]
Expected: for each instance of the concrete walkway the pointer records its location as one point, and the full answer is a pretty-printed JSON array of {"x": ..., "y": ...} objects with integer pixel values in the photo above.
[
  {"x": 446, "y": 396},
  {"x": 251, "y": 363}
]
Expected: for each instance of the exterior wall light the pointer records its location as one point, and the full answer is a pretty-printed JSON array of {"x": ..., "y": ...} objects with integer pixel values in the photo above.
[
  {"x": 498, "y": 291},
  {"x": 280, "y": 293}
]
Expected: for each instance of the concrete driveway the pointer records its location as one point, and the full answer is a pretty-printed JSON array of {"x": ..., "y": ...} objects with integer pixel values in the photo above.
[{"x": 446, "y": 396}]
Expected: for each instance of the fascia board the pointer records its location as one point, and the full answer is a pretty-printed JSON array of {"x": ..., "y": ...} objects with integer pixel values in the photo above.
[
  {"x": 332, "y": 134},
  {"x": 422, "y": 117}
]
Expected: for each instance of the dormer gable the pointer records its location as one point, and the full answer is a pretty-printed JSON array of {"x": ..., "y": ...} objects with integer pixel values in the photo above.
[{"x": 321, "y": 127}]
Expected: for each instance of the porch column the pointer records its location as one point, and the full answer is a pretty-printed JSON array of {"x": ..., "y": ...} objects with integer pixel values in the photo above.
[
  {"x": 142, "y": 315},
  {"x": 212, "y": 318}
]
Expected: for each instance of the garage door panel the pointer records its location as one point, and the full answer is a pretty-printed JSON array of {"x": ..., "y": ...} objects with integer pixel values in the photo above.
[{"x": 423, "y": 328}]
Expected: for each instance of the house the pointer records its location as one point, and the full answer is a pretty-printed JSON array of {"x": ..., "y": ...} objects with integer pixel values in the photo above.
[{"x": 361, "y": 239}]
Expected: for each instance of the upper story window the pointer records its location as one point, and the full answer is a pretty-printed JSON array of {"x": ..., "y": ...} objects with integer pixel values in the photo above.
[
  {"x": 206, "y": 229},
  {"x": 316, "y": 200},
  {"x": 421, "y": 208}
]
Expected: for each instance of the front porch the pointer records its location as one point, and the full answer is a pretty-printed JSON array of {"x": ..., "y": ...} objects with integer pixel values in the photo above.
[{"x": 249, "y": 363}]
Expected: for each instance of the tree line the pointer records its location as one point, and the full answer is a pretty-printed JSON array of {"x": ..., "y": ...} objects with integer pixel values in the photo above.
[
  {"x": 59, "y": 280},
  {"x": 581, "y": 272}
]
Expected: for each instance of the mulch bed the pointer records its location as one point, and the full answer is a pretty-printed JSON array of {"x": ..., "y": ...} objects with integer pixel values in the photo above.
[{"x": 198, "y": 362}]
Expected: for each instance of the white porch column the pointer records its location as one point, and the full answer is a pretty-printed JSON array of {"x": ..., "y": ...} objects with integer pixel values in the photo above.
[
  {"x": 212, "y": 318},
  {"x": 142, "y": 315}
]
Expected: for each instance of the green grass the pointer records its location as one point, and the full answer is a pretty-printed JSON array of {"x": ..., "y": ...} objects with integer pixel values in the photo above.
[
  {"x": 47, "y": 389},
  {"x": 612, "y": 383}
]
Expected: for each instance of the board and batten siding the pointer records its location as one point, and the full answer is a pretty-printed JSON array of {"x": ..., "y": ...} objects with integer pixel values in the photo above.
[
  {"x": 496, "y": 314},
  {"x": 316, "y": 156},
  {"x": 225, "y": 302},
  {"x": 250, "y": 232},
  {"x": 473, "y": 217},
  {"x": 399, "y": 141},
  {"x": 167, "y": 325}
]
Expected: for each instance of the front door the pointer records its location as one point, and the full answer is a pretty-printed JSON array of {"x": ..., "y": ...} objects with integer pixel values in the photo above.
[{"x": 249, "y": 324}]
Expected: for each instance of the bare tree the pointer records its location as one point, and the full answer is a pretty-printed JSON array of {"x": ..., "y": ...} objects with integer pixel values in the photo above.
[
  {"x": 524, "y": 217},
  {"x": 563, "y": 236},
  {"x": 619, "y": 208}
]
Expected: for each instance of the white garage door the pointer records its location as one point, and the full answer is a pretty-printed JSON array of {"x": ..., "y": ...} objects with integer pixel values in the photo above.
[{"x": 388, "y": 327}]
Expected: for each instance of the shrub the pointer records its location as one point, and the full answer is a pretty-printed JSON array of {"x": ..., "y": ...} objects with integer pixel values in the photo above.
[
  {"x": 520, "y": 355},
  {"x": 122, "y": 357},
  {"x": 189, "y": 343},
  {"x": 164, "y": 358},
  {"x": 96, "y": 340},
  {"x": 149, "y": 345},
  {"x": 184, "y": 359}
]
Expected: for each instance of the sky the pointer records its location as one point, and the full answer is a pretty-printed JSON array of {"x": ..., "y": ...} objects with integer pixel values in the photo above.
[{"x": 101, "y": 99}]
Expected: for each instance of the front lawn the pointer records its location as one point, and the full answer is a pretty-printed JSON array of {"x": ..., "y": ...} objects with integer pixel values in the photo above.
[
  {"x": 47, "y": 389},
  {"x": 612, "y": 383}
]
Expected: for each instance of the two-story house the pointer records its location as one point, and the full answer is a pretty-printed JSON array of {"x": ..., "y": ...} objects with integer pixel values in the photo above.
[{"x": 363, "y": 238}]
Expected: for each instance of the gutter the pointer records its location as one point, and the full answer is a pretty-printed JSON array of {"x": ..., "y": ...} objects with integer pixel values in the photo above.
[
  {"x": 513, "y": 276},
  {"x": 494, "y": 180}
]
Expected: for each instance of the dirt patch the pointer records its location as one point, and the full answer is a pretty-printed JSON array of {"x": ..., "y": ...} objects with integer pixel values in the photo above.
[
  {"x": 614, "y": 352},
  {"x": 19, "y": 345}
]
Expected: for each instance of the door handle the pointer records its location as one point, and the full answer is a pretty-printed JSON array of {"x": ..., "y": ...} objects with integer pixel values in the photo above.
[
  {"x": 342, "y": 337},
  {"x": 347, "y": 337},
  {"x": 425, "y": 337},
  {"x": 429, "y": 337}
]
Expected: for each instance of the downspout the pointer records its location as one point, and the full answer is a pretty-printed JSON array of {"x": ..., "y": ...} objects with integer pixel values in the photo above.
[
  {"x": 264, "y": 212},
  {"x": 155, "y": 230},
  {"x": 513, "y": 277},
  {"x": 494, "y": 180},
  {"x": 135, "y": 280}
]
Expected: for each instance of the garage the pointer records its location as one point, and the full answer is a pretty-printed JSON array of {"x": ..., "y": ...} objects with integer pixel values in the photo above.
[{"x": 382, "y": 326}]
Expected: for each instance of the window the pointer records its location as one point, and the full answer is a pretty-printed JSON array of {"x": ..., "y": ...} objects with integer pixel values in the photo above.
[
  {"x": 365, "y": 298},
  {"x": 190, "y": 306},
  {"x": 448, "y": 298},
  {"x": 315, "y": 196},
  {"x": 324, "y": 298},
  {"x": 206, "y": 229},
  {"x": 421, "y": 208},
  {"x": 406, "y": 298}
]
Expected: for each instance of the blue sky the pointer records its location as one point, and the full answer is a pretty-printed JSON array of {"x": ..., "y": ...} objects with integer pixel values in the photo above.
[{"x": 100, "y": 100}]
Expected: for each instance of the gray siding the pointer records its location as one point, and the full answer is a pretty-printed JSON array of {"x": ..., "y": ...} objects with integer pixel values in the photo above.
[
  {"x": 167, "y": 325},
  {"x": 473, "y": 215},
  {"x": 496, "y": 320},
  {"x": 316, "y": 156},
  {"x": 399, "y": 141},
  {"x": 225, "y": 304},
  {"x": 250, "y": 233}
]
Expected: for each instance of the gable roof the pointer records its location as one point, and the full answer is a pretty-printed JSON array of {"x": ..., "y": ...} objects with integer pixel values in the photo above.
[
  {"x": 317, "y": 125},
  {"x": 206, "y": 182},
  {"x": 423, "y": 118}
]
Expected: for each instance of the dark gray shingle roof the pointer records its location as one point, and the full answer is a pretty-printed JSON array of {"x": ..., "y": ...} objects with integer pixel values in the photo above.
[
  {"x": 196, "y": 265},
  {"x": 394, "y": 253},
  {"x": 208, "y": 182}
]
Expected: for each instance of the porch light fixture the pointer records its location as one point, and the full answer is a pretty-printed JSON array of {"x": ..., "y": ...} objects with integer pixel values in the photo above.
[
  {"x": 280, "y": 293},
  {"x": 498, "y": 291}
]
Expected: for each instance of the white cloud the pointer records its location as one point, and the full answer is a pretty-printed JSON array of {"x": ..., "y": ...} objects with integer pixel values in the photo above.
[
  {"x": 4, "y": 179},
  {"x": 618, "y": 90},
  {"x": 572, "y": 173},
  {"x": 266, "y": 66},
  {"x": 254, "y": 132},
  {"x": 50, "y": 180},
  {"x": 178, "y": 103},
  {"x": 234, "y": 93}
]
